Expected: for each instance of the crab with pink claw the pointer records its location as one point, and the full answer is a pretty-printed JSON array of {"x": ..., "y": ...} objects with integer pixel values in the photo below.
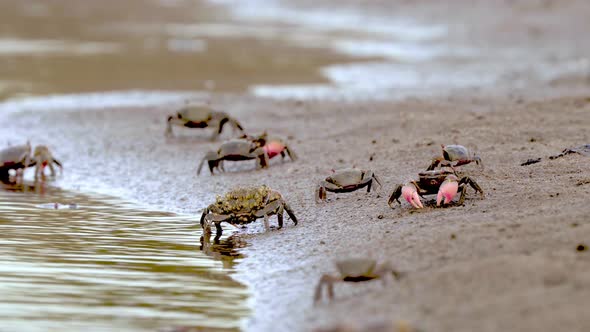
[
  {"x": 457, "y": 154},
  {"x": 201, "y": 117},
  {"x": 346, "y": 180},
  {"x": 272, "y": 146},
  {"x": 19, "y": 157},
  {"x": 234, "y": 150},
  {"x": 445, "y": 184},
  {"x": 354, "y": 270}
]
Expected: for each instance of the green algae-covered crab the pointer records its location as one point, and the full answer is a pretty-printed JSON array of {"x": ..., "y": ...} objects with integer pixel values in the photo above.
[{"x": 243, "y": 206}]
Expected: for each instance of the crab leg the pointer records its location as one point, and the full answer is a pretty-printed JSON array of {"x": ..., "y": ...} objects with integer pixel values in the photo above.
[
  {"x": 368, "y": 179},
  {"x": 280, "y": 216},
  {"x": 473, "y": 184},
  {"x": 173, "y": 120},
  {"x": 378, "y": 181},
  {"x": 230, "y": 120},
  {"x": 276, "y": 207},
  {"x": 320, "y": 194},
  {"x": 211, "y": 158},
  {"x": 322, "y": 188},
  {"x": 291, "y": 154},
  {"x": 290, "y": 212},
  {"x": 325, "y": 281}
]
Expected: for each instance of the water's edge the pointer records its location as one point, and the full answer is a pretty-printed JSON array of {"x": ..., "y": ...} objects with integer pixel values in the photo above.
[{"x": 90, "y": 261}]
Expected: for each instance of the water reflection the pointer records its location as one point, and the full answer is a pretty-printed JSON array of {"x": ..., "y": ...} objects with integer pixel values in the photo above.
[
  {"x": 108, "y": 265},
  {"x": 224, "y": 249}
]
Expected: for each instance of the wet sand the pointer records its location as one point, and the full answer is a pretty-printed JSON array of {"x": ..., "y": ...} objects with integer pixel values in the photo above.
[{"x": 509, "y": 261}]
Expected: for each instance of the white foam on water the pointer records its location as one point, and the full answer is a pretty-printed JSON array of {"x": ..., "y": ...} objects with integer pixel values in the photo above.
[
  {"x": 331, "y": 19},
  {"x": 404, "y": 45},
  {"x": 400, "y": 51},
  {"x": 12, "y": 47},
  {"x": 186, "y": 45},
  {"x": 381, "y": 81},
  {"x": 98, "y": 100}
]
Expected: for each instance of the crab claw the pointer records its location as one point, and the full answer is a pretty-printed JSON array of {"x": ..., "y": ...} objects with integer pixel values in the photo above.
[
  {"x": 273, "y": 148},
  {"x": 411, "y": 195},
  {"x": 448, "y": 189}
]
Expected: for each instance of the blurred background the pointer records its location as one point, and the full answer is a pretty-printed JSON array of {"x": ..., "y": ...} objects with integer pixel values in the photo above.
[
  {"x": 66, "y": 46},
  {"x": 79, "y": 54},
  {"x": 285, "y": 49}
]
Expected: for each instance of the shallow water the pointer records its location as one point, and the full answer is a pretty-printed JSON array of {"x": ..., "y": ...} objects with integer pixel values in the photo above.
[
  {"x": 107, "y": 265},
  {"x": 68, "y": 46}
]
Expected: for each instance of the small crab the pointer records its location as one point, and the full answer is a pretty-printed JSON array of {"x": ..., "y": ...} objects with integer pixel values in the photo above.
[
  {"x": 441, "y": 182},
  {"x": 346, "y": 180},
  {"x": 201, "y": 117},
  {"x": 19, "y": 157},
  {"x": 234, "y": 150},
  {"x": 452, "y": 153},
  {"x": 43, "y": 158},
  {"x": 245, "y": 205},
  {"x": 273, "y": 146},
  {"x": 354, "y": 270}
]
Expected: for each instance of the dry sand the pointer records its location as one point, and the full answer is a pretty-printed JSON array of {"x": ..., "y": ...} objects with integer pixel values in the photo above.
[{"x": 508, "y": 262}]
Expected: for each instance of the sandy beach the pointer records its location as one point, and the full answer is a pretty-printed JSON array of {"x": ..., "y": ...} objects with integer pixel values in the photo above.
[
  {"x": 512, "y": 263},
  {"x": 515, "y": 260}
]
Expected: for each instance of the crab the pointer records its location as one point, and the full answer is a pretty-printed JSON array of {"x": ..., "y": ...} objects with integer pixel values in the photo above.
[
  {"x": 454, "y": 153},
  {"x": 272, "y": 146},
  {"x": 243, "y": 206},
  {"x": 354, "y": 270},
  {"x": 43, "y": 158},
  {"x": 444, "y": 183},
  {"x": 201, "y": 117},
  {"x": 234, "y": 150},
  {"x": 19, "y": 157},
  {"x": 346, "y": 180}
]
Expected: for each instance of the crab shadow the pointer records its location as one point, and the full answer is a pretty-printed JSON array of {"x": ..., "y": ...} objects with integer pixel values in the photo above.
[{"x": 430, "y": 205}]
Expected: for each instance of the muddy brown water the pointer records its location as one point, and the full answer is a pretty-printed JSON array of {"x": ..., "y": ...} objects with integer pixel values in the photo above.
[
  {"x": 67, "y": 46},
  {"x": 107, "y": 265}
]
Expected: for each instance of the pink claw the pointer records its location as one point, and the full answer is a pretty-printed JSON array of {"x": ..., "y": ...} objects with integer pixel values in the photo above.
[
  {"x": 448, "y": 189},
  {"x": 411, "y": 195},
  {"x": 273, "y": 148}
]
